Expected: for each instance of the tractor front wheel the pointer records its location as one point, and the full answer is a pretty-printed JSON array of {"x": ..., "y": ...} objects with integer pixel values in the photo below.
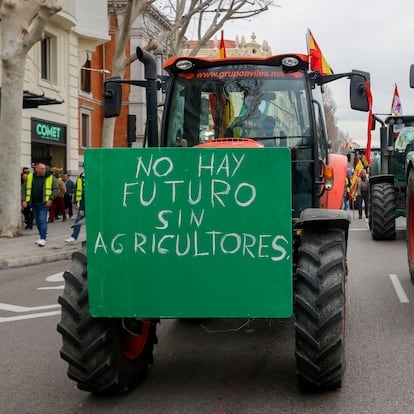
[
  {"x": 320, "y": 309},
  {"x": 105, "y": 355},
  {"x": 410, "y": 223}
]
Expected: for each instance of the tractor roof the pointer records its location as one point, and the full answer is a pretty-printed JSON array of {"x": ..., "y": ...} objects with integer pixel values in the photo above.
[{"x": 204, "y": 63}]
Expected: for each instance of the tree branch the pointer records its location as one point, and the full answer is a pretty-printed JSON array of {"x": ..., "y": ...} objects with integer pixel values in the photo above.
[{"x": 38, "y": 24}]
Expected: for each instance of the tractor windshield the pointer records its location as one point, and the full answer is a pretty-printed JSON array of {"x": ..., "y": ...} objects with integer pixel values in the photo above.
[
  {"x": 260, "y": 102},
  {"x": 403, "y": 136}
]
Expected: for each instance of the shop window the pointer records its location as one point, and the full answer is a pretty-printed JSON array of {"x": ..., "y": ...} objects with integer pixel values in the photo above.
[
  {"x": 85, "y": 129},
  {"x": 48, "y": 54},
  {"x": 86, "y": 75}
]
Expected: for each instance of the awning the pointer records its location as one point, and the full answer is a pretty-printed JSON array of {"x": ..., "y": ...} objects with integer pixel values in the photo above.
[{"x": 33, "y": 100}]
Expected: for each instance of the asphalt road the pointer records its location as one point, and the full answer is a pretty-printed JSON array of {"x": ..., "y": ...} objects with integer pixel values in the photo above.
[{"x": 222, "y": 366}]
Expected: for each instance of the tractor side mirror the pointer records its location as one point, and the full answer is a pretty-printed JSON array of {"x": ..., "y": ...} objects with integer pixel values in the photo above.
[
  {"x": 412, "y": 76},
  {"x": 358, "y": 96},
  {"x": 112, "y": 97}
]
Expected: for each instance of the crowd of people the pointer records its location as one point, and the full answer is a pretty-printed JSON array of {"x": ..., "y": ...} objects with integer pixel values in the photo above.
[{"x": 47, "y": 196}]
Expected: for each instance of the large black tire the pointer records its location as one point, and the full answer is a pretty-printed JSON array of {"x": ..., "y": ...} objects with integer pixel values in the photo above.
[
  {"x": 383, "y": 212},
  {"x": 320, "y": 309},
  {"x": 410, "y": 223},
  {"x": 370, "y": 209},
  {"x": 374, "y": 170},
  {"x": 103, "y": 356}
]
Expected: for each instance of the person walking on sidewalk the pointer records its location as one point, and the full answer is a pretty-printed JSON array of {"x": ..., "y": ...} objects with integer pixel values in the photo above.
[
  {"x": 27, "y": 212},
  {"x": 40, "y": 189},
  {"x": 70, "y": 189},
  {"x": 79, "y": 198},
  {"x": 58, "y": 205}
]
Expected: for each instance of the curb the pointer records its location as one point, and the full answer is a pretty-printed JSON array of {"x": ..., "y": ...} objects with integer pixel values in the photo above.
[{"x": 36, "y": 260}]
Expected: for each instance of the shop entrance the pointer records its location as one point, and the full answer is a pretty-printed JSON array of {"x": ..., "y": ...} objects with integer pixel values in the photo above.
[{"x": 53, "y": 156}]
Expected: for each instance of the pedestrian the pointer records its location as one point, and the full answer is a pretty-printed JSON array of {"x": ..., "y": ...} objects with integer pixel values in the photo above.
[
  {"x": 70, "y": 190},
  {"x": 79, "y": 198},
  {"x": 27, "y": 212},
  {"x": 58, "y": 205},
  {"x": 347, "y": 189},
  {"x": 362, "y": 190},
  {"x": 40, "y": 189}
]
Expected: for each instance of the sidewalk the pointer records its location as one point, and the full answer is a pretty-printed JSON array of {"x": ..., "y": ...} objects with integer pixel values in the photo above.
[{"x": 22, "y": 250}]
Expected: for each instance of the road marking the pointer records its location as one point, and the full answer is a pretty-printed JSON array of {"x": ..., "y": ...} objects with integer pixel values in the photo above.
[
  {"x": 20, "y": 309},
  {"x": 31, "y": 316},
  {"x": 399, "y": 290},
  {"x": 57, "y": 277},
  {"x": 52, "y": 288}
]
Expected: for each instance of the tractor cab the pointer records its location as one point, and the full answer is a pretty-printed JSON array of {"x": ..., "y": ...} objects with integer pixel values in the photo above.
[
  {"x": 274, "y": 101},
  {"x": 256, "y": 99},
  {"x": 401, "y": 138}
]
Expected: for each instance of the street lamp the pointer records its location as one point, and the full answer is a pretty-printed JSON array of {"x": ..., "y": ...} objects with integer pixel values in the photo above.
[{"x": 96, "y": 70}]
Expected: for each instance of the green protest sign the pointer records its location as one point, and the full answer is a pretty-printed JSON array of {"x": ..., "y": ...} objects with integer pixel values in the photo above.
[{"x": 189, "y": 232}]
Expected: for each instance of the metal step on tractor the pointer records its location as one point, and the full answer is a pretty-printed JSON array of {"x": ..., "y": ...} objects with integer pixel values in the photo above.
[{"x": 233, "y": 210}]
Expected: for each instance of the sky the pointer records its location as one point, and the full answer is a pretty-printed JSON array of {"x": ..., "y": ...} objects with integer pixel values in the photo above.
[{"x": 376, "y": 37}]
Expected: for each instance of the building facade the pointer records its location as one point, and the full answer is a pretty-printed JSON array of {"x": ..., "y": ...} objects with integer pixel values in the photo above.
[
  {"x": 50, "y": 131},
  {"x": 234, "y": 48}
]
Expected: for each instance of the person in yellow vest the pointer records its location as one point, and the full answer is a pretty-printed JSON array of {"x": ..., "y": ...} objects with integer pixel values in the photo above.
[
  {"x": 40, "y": 189},
  {"x": 79, "y": 204}
]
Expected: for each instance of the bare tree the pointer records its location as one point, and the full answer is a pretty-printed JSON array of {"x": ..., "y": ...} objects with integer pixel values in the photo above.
[
  {"x": 22, "y": 25},
  {"x": 330, "y": 109},
  {"x": 124, "y": 17},
  {"x": 209, "y": 16}
]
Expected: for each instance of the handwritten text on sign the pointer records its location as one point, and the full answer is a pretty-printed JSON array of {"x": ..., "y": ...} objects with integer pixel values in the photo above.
[{"x": 183, "y": 210}]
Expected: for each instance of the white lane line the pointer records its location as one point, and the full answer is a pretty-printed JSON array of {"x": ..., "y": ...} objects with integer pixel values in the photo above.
[
  {"x": 19, "y": 309},
  {"x": 57, "y": 277},
  {"x": 31, "y": 316},
  {"x": 52, "y": 288},
  {"x": 399, "y": 290}
]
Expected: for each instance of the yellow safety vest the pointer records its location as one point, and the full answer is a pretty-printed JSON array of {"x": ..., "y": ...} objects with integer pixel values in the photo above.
[
  {"x": 79, "y": 189},
  {"x": 47, "y": 189}
]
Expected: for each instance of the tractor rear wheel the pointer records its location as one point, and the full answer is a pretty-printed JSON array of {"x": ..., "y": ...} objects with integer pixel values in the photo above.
[
  {"x": 105, "y": 355},
  {"x": 383, "y": 212},
  {"x": 410, "y": 223},
  {"x": 320, "y": 309}
]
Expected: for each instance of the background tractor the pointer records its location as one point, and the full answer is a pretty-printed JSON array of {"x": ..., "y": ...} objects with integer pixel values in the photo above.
[
  {"x": 389, "y": 175},
  {"x": 410, "y": 198},
  {"x": 232, "y": 211}
]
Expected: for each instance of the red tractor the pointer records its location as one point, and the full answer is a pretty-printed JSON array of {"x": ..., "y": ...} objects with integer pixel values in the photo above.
[{"x": 232, "y": 211}]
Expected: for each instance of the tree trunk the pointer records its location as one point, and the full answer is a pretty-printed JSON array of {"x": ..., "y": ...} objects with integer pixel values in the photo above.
[
  {"x": 108, "y": 130},
  {"x": 10, "y": 144}
]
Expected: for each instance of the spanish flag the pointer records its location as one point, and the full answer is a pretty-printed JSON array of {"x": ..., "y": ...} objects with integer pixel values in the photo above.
[
  {"x": 317, "y": 59},
  {"x": 222, "y": 48},
  {"x": 357, "y": 173},
  {"x": 368, "y": 146},
  {"x": 396, "y": 108}
]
